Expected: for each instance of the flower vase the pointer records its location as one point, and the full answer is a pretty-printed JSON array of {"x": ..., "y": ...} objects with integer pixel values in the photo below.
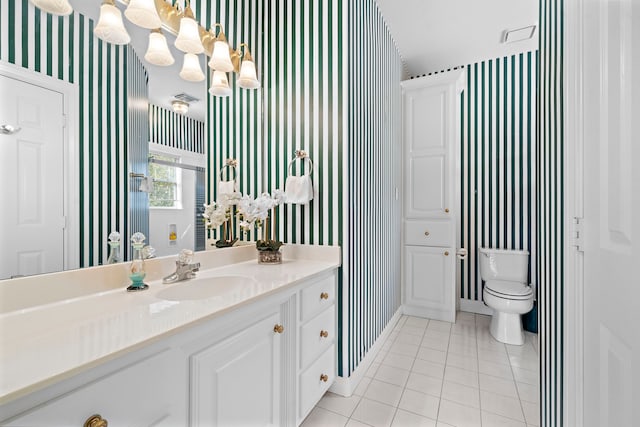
[{"x": 270, "y": 257}]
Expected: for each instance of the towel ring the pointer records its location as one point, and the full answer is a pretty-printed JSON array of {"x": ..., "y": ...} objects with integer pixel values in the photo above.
[
  {"x": 231, "y": 164},
  {"x": 301, "y": 155}
]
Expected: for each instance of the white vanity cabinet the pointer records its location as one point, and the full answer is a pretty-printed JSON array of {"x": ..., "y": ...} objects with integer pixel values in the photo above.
[
  {"x": 150, "y": 392},
  {"x": 264, "y": 363}
]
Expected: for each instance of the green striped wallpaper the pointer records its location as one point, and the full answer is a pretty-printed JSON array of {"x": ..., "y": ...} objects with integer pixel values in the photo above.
[
  {"x": 175, "y": 130},
  {"x": 550, "y": 210},
  {"x": 498, "y": 128},
  {"x": 344, "y": 110},
  {"x": 65, "y": 48}
]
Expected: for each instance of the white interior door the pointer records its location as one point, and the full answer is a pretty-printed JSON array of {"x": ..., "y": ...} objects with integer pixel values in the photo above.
[
  {"x": 32, "y": 172},
  {"x": 611, "y": 70}
]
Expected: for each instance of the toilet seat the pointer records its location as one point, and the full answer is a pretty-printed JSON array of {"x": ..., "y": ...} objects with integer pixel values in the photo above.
[{"x": 508, "y": 290}]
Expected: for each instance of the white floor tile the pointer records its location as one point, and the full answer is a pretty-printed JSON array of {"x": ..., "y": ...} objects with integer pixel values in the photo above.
[
  {"x": 371, "y": 372},
  {"x": 463, "y": 340},
  {"x": 407, "y": 419},
  {"x": 531, "y": 413},
  {"x": 420, "y": 403},
  {"x": 417, "y": 321},
  {"x": 425, "y": 367},
  {"x": 462, "y": 394},
  {"x": 482, "y": 320},
  {"x": 461, "y": 376},
  {"x": 404, "y": 338},
  {"x": 506, "y": 406},
  {"x": 463, "y": 316},
  {"x": 466, "y": 329},
  {"x": 498, "y": 386},
  {"x": 462, "y": 362},
  {"x": 382, "y": 392},
  {"x": 362, "y": 387},
  {"x": 529, "y": 362},
  {"x": 519, "y": 350},
  {"x": 494, "y": 356},
  {"x": 375, "y": 414},
  {"x": 469, "y": 350},
  {"x": 355, "y": 423},
  {"x": 524, "y": 376},
  {"x": 432, "y": 355},
  {"x": 398, "y": 361},
  {"x": 322, "y": 418},
  {"x": 441, "y": 424},
  {"x": 489, "y": 343},
  {"x": 339, "y": 404},
  {"x": 392, "y": 375},
  {"x": 495, "y": 369},
  {"x": 413, "y": 330},
  {"x": 424, "y": 384},
  {"x": 493, "y": 420},
  {"x": 404, "y": 349},
  {"x": 435, "y": 342},
  {"x": 458, "y": 415},
  {"x": 528, "y": 392},
  {"x": 439, "y": 326}
]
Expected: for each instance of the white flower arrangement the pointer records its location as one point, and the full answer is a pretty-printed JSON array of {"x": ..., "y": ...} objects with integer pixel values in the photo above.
[
  {"x": 254, "y": 212},
  {"x": 218, "y": 214}
]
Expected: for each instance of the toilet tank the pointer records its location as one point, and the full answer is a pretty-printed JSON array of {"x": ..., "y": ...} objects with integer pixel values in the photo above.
[{"x": 503, "y": 264}]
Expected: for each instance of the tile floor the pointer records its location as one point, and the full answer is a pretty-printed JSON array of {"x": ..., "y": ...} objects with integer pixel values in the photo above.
[{"x": 431, "y": 373}]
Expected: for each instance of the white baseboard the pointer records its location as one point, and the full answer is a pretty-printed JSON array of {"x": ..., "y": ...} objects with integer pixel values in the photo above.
[
  {"x": 345, "y": 386},
  {"x": 475, "y": 307}
]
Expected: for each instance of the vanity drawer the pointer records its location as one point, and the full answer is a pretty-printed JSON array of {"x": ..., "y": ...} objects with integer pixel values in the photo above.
[
  {"x": 429, "y": 233},
  {"x": 317, "y": 297},
  {"x": 316, "y": 335},
  {"x": 316, "y": 380}
]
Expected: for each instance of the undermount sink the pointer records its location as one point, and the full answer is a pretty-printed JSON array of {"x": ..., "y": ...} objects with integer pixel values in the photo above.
[{"x": 207, "y": 287}]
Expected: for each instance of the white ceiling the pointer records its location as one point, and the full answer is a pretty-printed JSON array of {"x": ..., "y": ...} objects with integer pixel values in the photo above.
[
  {"x": 164, "y": 82},
  {"x": 435, "y": 35}
]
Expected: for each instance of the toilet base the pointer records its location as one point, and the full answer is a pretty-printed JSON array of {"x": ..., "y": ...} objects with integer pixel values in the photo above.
[{"x": 507, "y": 328}]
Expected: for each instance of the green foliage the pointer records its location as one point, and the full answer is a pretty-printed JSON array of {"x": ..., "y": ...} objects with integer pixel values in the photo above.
[{"x": 268, "y": 245}]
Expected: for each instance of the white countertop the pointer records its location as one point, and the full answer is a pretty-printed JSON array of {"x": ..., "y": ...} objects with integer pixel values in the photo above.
[{"x": 53, "y": 339}]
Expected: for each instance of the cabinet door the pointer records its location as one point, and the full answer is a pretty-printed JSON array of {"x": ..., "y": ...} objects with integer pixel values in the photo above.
[
  {"x": 147, "y": 393},
  {"x": 429, "y": 278},
  {"x": 237, "y": 382}
]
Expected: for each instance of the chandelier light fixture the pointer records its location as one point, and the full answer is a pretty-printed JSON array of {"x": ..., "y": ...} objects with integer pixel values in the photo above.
[
  {"x": 110, "y": 27},
  {"x": 179, "y": 107},
  {"x": 191, "y": 38},
  {"x": 158, "y": 52}
]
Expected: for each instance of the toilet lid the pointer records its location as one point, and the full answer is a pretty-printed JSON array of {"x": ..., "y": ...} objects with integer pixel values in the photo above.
[{"x": 506, "y": 289}]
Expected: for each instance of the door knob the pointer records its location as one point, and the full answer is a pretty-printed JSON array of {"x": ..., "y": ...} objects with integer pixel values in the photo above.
[
  {"x": 324, "y": 295},
  {"x": 9, "y": 130},
  {"x": 446, "y": 253},
  {"x": 446, "y": 210},
  {"x": 96, "y": 421},
  {"x": 461, "y": 253},
  {"x": 324, "y": 378},
  {"x": 426, "y": 233},
  {"x": 278, "y": 329},
  {"x": 324, "y": 334}
]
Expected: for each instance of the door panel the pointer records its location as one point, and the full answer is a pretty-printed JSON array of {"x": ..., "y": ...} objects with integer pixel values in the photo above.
[
  {"x": 32, "y": 217},
  {"x": 427, "y": 186},
  {"x": 611, "y": 214}
]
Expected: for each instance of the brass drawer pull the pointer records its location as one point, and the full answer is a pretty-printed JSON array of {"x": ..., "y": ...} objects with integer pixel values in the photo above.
[
  {"x": 324, "y": 295},
  {"x": 96, "y": 421},
  {"x": 426, "y": 233},
  {"x": 446, "y": 253},
  {"x": 324, "y": 334},
  {"x": 324, "y": 378},
  {"x": 278, "y": 329},
  {"x": 446, "y": 210}
]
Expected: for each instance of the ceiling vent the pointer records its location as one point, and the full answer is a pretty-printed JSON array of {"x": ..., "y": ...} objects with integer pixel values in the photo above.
[
  {"x": 186, "y": 98},
  {"x": 518, "y": 35}
]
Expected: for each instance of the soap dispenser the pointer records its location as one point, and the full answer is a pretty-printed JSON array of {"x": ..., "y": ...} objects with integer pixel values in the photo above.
[
  {"x": 137, "y": 271},
  {"x": 114, "y": 248}
]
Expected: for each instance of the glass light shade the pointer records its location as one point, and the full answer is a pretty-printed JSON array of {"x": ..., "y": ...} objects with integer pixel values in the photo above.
[
  {"x": 220, "y": 58},
  {"x": 54, "y": 7},
  {"x": 188, "y": 39},
  {"x": 248, "y": 78},
  {"x": 191, "y": 70},
  {"x": 143, "y": 13},
  {"x": 180, "y": 107},
  {"x": 220, "y": 84},
  {"x": 110, "y": 27},
  {"x": 158, "y": 51}
]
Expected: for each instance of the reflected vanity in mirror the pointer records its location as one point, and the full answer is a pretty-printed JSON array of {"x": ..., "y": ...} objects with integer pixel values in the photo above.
[{"x": 108, "y": 141}]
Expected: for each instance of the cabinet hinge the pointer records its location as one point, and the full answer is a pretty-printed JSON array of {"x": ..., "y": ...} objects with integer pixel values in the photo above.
[{"x": 577, "y": 234}]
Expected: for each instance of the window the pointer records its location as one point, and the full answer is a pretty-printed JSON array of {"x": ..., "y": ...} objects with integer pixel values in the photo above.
[{"x": 166, "y": 183}]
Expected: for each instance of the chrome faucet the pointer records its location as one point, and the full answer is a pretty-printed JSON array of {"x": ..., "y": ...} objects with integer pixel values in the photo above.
[{"x": 185, "y": 268}]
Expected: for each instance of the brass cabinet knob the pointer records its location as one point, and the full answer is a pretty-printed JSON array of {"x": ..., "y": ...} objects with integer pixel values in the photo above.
[
  {"x": 446, "y": 210},
  {"x": 278, "y": 329},
  {"x": 324, "y": 378},
  {"x": 426, "y": 233},
  {"x": 96, "y": 421},
  {"x": 446, "y": 253},
  {"x": 324, "y": 334},
  {"x": 324, "y": 295}
]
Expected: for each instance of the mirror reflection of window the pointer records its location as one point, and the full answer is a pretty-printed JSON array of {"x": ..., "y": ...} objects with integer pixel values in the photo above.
[{"x": 167, "y": 188}]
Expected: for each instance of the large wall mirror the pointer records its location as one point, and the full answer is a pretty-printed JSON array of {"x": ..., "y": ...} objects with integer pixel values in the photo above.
[{"x": 92, "y": 176}]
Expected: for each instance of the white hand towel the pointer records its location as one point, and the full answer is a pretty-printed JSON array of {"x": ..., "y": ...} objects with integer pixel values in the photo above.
[
  {"x": 298, "y": 189},
  {"x": 226, "y": 187}
]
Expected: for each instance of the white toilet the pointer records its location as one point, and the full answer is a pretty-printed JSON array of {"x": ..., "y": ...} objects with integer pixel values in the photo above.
[{"x": 506, "y": 291}]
